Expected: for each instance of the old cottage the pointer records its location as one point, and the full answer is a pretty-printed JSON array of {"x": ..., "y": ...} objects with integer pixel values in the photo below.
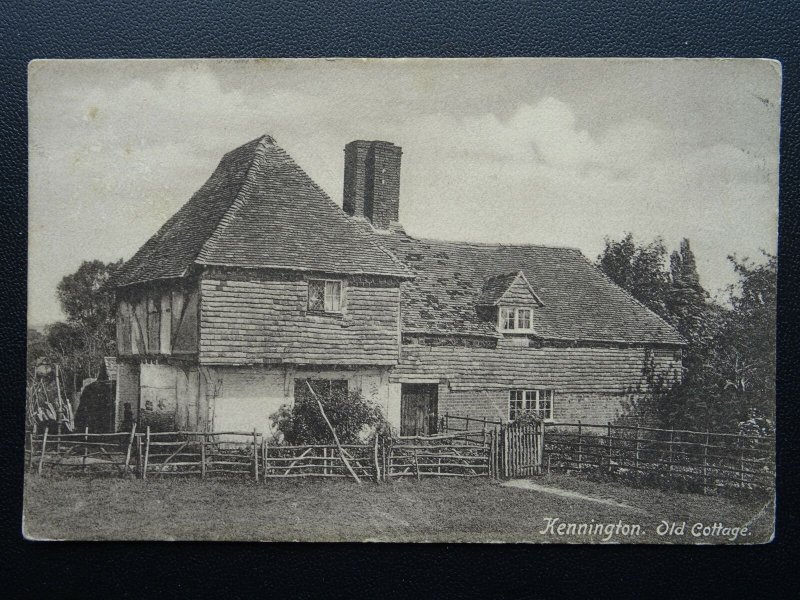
[{"x": 260, "y": 282}]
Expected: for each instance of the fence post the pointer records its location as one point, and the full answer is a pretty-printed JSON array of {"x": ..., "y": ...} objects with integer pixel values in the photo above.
[
  {"x": 705, "y": 465},
  {"x": 202, "y": 455},
  {"x": 128, "y": 452},
  {"x": 741, "y": 459},
  {"x": 377, "y": 466},
  {"x": 636, "y": 455},
  {"x": 446, "y": 422},
  {"x": 85, "y": 446},
  {"x": 467, "y": 425},
  {"x": 265, "y": 446},
  {"x": 139, "y": 460},
  {"x": 580, "y": 446},
  {"x": 505, "y": 452},
  {"x": 541, "y": 449},
  {"x": 30, "y": 456},
  {"x": 146, "y": 453},
  {"x": 609, "y": 446},
  {"x": 255, "y": 454},
  {"x": 384, "y": 460},
  {"x": 44, "y": 445},
  {"x": 671, "y": 438}
]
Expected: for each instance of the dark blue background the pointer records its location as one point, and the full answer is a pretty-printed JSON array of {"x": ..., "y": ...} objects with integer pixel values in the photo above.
[{"x": 490, "y": 28}]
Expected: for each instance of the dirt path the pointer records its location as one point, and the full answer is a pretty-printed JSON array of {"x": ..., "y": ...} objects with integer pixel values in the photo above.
[{"x": 525, "y": 484}]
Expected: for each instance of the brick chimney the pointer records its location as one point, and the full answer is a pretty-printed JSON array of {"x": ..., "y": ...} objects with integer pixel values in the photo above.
[{"x": 372, "y": 181}]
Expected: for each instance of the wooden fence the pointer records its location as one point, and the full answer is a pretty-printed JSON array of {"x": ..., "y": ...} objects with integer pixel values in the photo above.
[
  {"x": 515, "y": 449},
  {"x": 207, "y": 454},
  {"x": 448, "y": 455},
  {"x": 95, "y": 453},
  {"x": 248, "y": 454},
  {"x": 700, "y": 459},
  {"x": 324, "y": 460}
]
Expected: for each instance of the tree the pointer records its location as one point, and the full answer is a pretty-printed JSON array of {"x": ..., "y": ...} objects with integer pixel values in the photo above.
[
  {"x": 729, "y": 360},
  {"x": 746, "y": 360},
  {"x": 89, "y": 332},
  {"x": 640, "y": 269},
  {"x": 687, "y": 301}
]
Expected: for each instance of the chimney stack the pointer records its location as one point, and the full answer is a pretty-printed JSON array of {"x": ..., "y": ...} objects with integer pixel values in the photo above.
[{"x": 372, "y": 182}]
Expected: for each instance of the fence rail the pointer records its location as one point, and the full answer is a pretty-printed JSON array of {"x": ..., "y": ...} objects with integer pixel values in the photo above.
[
  {"x": 704, "y": 460},
  {"x": 449, "y": 455},
  {"x": 467, "y": 447}
]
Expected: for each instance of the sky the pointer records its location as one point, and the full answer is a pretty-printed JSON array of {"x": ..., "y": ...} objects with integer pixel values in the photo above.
[{"x": 561, "y": 152}]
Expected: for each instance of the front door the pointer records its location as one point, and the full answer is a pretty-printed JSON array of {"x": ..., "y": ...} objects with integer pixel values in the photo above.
[{"x": 419, "y": 409}]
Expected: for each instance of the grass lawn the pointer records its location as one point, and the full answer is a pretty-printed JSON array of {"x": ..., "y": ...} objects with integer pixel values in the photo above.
[{"x": 474, "y": 510}]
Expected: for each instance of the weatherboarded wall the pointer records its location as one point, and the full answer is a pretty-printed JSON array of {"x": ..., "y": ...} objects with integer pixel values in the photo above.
[
  {"x": 573, "y": 369},
  {"x": 594, "y": 384},
  {"x": 249, "y": 318}
]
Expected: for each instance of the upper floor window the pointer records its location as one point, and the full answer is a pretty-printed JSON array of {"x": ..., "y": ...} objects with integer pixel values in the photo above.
[
  {"x": 515, "y": 319},
  {"x": 325, "y": 295}
]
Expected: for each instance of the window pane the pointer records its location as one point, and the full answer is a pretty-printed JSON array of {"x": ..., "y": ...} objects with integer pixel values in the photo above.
[
  {"x": 316, "y": 294},
  {"x": 514, "y": 404},
  {"x": 507, "y": 318},
  {"x": 530, "y": 399},
  {"x": 524, "y": 318},
  {"x": 333, "y": 296}
]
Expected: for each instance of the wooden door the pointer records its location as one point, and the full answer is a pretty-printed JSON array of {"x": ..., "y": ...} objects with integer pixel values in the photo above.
[{"x": 419, "y": 409}]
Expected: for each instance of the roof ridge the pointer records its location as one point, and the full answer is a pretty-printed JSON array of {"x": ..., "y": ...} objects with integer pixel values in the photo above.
[{"x": 238, "y": 199}]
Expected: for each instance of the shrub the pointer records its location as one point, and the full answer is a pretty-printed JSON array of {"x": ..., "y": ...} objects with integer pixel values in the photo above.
[{"x": 353, "y": 417}]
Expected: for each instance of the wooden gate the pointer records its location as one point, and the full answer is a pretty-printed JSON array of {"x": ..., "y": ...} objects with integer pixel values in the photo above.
[{"x": 520, "y": 450}]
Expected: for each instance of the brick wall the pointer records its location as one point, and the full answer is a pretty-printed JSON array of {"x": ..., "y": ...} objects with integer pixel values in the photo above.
[
  {"x": 372, "y": 181},
  {"x": 567, "y": 407}
]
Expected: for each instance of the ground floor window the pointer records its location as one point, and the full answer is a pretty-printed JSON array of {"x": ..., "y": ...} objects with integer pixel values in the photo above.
[
  {"x": 322, "y": 387},
  {"x": 535, "y": 401}
]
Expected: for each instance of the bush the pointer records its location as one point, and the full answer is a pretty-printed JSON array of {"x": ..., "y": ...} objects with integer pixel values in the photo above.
[{"x": 353, "y": 417}]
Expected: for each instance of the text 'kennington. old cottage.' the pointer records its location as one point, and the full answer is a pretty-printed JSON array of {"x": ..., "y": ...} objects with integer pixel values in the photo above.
[{"x": 261, "y": 281}]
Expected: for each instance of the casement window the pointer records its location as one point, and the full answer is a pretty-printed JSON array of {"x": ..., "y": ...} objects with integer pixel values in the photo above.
[
  {"x": 515, "y": 319},
  {"x": 535, "y": 401},
  {"x": 325, "y": 295}
]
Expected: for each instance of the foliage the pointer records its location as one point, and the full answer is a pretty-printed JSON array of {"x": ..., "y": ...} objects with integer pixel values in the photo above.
[
  {"x": 78, "y": 344},
  {"x": 639, "y": 269},
  {"x": 528, "y": 417},
  {"x": 350, "y": 414},
  {"x": 729, "y": 360}
]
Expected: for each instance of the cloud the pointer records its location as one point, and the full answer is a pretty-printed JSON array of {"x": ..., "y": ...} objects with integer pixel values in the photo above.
[{"x": 121, "y": 149}]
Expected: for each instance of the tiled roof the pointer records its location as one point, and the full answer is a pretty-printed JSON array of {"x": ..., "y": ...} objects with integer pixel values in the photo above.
[
  {"x": 494, "y": 287},
  {"x": 259, "y": 209},
  {"x": 579, "y": 302}
]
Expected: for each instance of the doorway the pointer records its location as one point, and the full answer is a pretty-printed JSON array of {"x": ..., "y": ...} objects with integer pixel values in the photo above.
[{"x": 419, "y": 404}]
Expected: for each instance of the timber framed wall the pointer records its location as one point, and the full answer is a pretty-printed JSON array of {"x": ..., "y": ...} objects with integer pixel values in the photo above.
[{"x": 158, "y": 319}]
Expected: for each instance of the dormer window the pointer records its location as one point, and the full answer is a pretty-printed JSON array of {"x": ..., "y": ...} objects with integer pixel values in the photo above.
[
  {"x": 515, "y": 319},
  {"x": 325, "y": 295}
]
